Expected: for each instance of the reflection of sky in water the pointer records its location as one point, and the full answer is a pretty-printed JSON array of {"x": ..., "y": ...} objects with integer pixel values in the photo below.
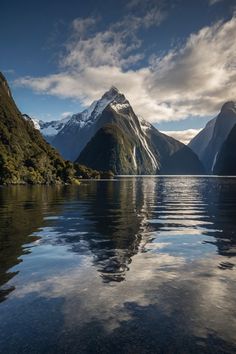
[{"x": 137, "y": 265}]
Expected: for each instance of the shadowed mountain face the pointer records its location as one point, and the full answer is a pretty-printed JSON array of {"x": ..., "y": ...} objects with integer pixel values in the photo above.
[
  {"x": 111, "y": 149},
  {"x": 208, "y": 143},
  {"x": 109, "y": 134},
  {"x": 25, "y": 157},
  {"x": 199, "y": 143},
  {"x": 226, "y": 159},
  {"x": 182, "y": 162}
]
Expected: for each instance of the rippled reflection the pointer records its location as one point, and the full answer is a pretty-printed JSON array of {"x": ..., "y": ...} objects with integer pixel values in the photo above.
[{"x": 136, "y": 265}]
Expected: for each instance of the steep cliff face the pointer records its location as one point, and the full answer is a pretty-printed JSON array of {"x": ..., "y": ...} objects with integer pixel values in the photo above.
[
  {"x": 224, "y": 124},
  {"x": 208, "y": 143},
  {"x": 110, "y": 149},
  {"x": 25, "y": 157},
  {"x": 226, "y": 159},
  {"x": 199, "y": 143}
]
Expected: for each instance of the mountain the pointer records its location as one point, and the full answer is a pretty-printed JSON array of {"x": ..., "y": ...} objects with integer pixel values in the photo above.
[
  {"x": 209, "y": 141},
  {"x": 199, "y": 143},
  {"x": 182, "y": 162},
  {"x": 109, "y": 135},
  {"x": 48, "y": 129},
  {"x": 25, "y": 157},
  {"x": 141, "y": 148},
  {"x": 110, "y": 149},
  {"x": 226, "y": 159},
  {"x": 78, "y": 131}
]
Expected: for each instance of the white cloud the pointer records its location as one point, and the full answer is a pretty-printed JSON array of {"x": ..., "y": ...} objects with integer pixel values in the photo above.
[
  {"x": 192, "y": 80},
  {"x": 213, "y": 2},
  {"x": 66, "y": 114},
  {"x": 182, "y": 135},
  {"x": 200, "y": 75},
  {"x": 114, "y": 46},
  {"x": 82, "y": 25}
]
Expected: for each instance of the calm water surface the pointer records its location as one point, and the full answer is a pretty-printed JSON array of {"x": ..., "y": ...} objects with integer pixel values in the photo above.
[{"x": 134, "y": 265}]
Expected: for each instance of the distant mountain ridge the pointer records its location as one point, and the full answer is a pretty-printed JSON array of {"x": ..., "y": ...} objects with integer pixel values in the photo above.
[
  {"x": 138, "y": 147},
  {"x": 48, "y": 129}
]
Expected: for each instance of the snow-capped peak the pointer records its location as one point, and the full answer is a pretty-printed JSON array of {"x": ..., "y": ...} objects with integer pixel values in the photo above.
[
  {"x": 48, "y": 129},
  {"x": 111, "y": 93},
  {"x": 86, "y": 118},
  {"x": 90, "y": 114}
]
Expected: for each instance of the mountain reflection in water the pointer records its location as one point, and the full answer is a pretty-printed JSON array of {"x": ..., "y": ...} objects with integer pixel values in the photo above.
[{"x": 134, "y": 265}]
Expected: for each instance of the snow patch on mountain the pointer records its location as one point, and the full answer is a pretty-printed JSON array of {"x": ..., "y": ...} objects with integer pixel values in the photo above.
[
  {"x": 134, "y": 158},
  {"x": 144, "y": 124},
  {"x": 36, "y": 122},
  {"x": 51, "y": 129},
  {"x": 118, "y": 107},
  {"x": 214, "y": 161},
  {"x": 142, "y": 137}
]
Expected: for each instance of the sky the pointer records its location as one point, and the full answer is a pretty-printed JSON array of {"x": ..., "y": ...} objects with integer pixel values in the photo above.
[{"x": 175, "y": 61}]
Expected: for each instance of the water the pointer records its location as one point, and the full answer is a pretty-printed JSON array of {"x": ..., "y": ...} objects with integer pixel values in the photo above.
[{"x": 134, "y": 265}]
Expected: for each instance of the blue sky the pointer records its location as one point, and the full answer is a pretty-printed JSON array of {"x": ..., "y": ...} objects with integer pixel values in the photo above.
[{"x": 174, "y": 60}]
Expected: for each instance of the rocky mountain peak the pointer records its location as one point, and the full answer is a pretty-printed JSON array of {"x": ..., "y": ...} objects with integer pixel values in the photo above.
[
  {"x": 230, "y": 105},
  {"x": 113, "y": 94}
]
